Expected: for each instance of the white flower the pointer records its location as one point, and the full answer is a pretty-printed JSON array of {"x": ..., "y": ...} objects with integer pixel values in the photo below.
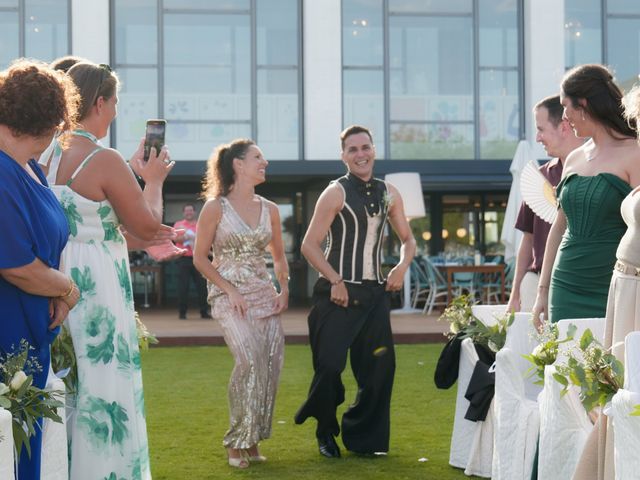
[
  {"x": 18, "y": 379},
  {"x": 3, "y": 388}
]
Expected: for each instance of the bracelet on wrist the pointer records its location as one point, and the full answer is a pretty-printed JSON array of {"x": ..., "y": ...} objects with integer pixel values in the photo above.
[
  {"x": 337, "y": 282},
  {"x": 68, "y": 293},
  {"x": 543, "y": 287}
]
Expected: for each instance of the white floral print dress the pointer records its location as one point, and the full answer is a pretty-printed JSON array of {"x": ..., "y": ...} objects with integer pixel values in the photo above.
[{"x": 107, "y": 426}]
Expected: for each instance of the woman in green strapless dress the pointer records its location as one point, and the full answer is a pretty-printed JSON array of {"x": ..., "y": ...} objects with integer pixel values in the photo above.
[
  {"x": 581, "y": 247},
  {"x": 584, "y": 262},
  {"x": 589, "y": 225}
]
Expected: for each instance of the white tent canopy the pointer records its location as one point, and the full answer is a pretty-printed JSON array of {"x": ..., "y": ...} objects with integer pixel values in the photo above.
[{"x": 510, "y": 236}]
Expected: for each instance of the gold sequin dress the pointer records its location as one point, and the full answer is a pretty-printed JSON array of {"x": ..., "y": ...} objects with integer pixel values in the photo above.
[{"x": 256, "y": 341}]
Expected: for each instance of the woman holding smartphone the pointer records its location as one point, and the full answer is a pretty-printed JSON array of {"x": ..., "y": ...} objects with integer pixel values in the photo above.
[
  {"x": 240, "y": 226},
  {"x": 99, "y": 194}
]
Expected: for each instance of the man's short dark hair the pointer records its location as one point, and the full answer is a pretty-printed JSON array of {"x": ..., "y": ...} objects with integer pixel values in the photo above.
[
  {"x": 353, "y": 130},
  {"x": 554, "y": 108}
]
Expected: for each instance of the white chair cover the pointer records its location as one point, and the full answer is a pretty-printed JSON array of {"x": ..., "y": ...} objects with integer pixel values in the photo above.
[
  {"x": 468, "y": 439},
  {"x": 6, "y": 446},
  {"x": 516, "y": 421},
  {"x": 55, "y": 461},
  {"x": 627, "y": 428},
  {"x": 564, "y": 424},
  {"x": 516, "y": 414},
  {"x": 487, "y": 313}
]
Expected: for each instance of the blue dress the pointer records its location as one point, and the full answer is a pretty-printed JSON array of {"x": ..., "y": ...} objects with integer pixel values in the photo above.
[{"x": 33, "y": 226}]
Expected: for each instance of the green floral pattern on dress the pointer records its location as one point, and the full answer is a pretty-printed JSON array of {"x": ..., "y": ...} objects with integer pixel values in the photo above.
[
  {"x": 106, "y": 422},
  {"x": 85, "y": 282},
  {"x": 123, "y": 277},
  {"x": 111, "y": 231},
  {"x": 108, "y": 437},
  {"x": 71, "y": 212},
  {"x": 100, "y": 325}
]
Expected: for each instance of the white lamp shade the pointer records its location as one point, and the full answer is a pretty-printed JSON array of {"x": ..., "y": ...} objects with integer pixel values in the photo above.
[{"x": 410, "y": 188}]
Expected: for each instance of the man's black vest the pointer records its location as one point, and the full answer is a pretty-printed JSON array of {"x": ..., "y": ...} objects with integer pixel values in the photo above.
[{"x": 346, "y": 239}]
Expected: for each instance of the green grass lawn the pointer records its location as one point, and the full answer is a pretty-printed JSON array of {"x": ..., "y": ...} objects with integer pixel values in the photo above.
[{"x": 186, "y": 401}]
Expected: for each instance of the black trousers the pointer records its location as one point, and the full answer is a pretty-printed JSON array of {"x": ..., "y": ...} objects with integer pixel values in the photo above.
[
  {"x": 363, "y": 330},
  {"x": 186, "y": 273}
]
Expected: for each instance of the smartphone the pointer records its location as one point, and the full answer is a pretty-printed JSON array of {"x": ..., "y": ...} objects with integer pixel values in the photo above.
[{"x": 154, "y": 136}]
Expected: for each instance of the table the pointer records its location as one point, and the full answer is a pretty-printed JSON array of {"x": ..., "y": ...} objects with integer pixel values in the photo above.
[
  {"x": 156, "y": 270},
  {"x": 486, "y": 268}
]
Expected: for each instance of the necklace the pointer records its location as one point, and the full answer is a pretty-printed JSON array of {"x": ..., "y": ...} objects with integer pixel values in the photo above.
[{"x": 83, "y": 133}]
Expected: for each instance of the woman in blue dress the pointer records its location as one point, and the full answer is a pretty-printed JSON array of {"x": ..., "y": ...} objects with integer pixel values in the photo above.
[{"x": 35, "y": 103}]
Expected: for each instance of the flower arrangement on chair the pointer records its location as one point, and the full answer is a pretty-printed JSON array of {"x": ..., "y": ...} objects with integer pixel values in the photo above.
[
  {"x": 26, "y": 402},
  {"x": 596, "y": 372},
  {"x": 547, "y": 350},
  {"x": 462, "y": 321}
]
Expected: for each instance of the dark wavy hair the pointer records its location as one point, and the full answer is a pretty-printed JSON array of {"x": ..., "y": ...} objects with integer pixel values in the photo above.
[
  {"x": 220, "y": 176},
  {"x": 594, "y": 83},
  {"x": 93, "y": 81},
  {"x": 34, "y": 99}
]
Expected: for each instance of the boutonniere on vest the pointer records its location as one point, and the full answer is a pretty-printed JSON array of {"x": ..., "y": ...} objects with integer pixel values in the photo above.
[{"x": 387, "y": 200}]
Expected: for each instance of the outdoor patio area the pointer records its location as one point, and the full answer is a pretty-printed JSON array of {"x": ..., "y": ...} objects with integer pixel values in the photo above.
[{"x": 164, "y": 323}]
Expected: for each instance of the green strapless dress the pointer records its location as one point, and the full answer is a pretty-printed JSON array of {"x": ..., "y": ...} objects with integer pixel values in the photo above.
[{"x": 584, "y": 263}]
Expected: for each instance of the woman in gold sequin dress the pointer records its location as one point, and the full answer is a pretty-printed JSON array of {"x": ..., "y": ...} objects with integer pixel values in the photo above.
[{"x": 240, "y": 227}]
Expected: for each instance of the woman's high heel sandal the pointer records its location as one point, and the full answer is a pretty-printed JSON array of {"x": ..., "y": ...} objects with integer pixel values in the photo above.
[
  {"x": 237, "y": 462},
  {"x": 254, "y": 458}
]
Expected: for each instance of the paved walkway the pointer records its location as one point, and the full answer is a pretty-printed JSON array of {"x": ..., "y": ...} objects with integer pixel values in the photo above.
[{"x": 407, "y": 328}]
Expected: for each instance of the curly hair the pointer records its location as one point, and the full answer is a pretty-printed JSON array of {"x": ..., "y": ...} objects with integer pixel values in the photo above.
[
  {"x": 220, "y": 176},
  {"x": 34, "y": 99},
  {"x": 93, "y": 81},
  {"x": 594, "y": 83}
]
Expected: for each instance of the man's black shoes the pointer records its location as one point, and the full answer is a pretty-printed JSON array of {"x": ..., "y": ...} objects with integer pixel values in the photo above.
[{"x": 328, "y": 447}]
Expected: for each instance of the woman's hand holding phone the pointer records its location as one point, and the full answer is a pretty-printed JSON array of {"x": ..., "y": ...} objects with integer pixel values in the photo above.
[{"x": 156, "y": 169}]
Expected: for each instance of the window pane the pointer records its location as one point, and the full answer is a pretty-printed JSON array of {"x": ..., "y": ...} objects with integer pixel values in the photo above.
[
  {"x": 624, "y": 50},
  {"x": 277, "y": 38},
  {"x": 197, "y": 141},
  {"x": 431, "y": 83},
  {"x": 207, "y": 4},
  {"x": 9, "y": 4},
  {"x": 46, "y": 29},
  {"x": 433, "y": 6},
  {"x": 136, "y": 30},
  {"x": 137, "y": 102},
  {"x": 362, "y": 32},
  {"x": 204, "y": 83},
  {"x": 278, "y": 118},
  {"x": 498, "y": 33},
  {"x": 432, "y": 141},
  {"x": 363, "y": 94},
  {"x": 499, "y": 114},
  {"x": 583, "y": 32},
  {"x": 8, "y": 37},
  {"x": 623, "y": 6}
]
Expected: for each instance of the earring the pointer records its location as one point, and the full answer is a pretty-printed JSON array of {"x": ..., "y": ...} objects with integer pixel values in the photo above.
[{"x": 582, "y": 113}]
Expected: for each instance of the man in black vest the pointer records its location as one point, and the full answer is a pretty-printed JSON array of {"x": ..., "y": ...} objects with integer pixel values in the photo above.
[{"x": 351, "y": 302}]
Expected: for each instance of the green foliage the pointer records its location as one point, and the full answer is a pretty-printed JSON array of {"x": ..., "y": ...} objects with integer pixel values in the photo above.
[
  {"x": 461, "y": 320},
  {"x": 547, "y": 350},
  {"x": 490, "y": 336},
  {"x": 26, "y": 402},
  {"x": 145, "y": 337},
  {"x": 596, "y": 372},
  {"x": 63, "y": 357},
  {"x": 421, "y": 420},
  {"x": 459, "y": 315}
]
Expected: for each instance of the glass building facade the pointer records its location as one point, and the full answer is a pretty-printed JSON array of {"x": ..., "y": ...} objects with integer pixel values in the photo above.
[{"x": 445, "y": 85}]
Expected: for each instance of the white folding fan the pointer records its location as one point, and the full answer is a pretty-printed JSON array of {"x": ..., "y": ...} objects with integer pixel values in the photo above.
[{"x": 538, "y": 193}]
